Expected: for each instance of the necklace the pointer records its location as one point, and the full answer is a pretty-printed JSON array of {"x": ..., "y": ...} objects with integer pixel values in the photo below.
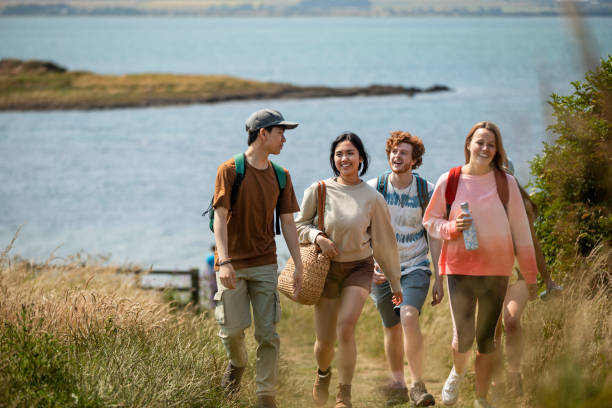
[{"x": 398, "y": 198}]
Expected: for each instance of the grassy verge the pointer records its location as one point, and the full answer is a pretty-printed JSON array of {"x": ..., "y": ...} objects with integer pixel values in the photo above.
[
  {"x": 567, "y": 360},
  {"x": 84, "y": 336},
  {"x": 80, "y": 334}
]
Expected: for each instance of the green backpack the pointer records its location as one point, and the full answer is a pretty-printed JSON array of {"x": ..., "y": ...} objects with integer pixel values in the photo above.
[{"x": 239, "y": 160}]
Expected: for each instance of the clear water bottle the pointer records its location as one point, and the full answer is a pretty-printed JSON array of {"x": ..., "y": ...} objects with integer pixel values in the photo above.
[
  {"x": 469, "y": 235},
  {"x": 554, "y": 292}
]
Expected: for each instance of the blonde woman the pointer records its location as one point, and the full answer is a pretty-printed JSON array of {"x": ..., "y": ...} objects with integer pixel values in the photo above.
[{"x": 479, "y": 276}]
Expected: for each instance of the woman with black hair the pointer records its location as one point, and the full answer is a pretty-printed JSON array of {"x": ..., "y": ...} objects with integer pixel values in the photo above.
[{"x": 357, "y": 227}]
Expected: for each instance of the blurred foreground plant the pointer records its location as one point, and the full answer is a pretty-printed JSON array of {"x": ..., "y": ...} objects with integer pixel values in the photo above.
[
  {"x": 573, "y": 175},
  {"x": 83, "y": 335},
  {"x": 568, "y": 359}
]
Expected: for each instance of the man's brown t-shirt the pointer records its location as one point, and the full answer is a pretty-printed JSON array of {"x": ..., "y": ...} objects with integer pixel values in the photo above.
[{"x": 250, "y": 221}]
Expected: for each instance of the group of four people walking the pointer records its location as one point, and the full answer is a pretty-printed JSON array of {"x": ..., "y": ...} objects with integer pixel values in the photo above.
[{"x": 378, "y": 235}]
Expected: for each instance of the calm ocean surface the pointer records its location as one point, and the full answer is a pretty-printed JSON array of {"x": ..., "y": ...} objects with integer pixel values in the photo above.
[{"x": 131, "y": 183}]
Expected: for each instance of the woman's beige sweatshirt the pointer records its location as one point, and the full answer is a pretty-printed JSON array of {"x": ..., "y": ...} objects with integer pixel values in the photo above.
[{"x": 357, "y": 220}]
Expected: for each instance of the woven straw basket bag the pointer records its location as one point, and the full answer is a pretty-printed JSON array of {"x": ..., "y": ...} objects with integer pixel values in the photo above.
[{"x": 316, "y": 265}]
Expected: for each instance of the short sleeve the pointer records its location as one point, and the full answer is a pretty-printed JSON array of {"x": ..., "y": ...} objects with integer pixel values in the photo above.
[
  {"x": 226, "y": 174},
  {"x": 287, "y": 202}
]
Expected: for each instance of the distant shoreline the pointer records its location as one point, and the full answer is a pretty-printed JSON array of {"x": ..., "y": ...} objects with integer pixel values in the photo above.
[
  {"x": 305, "y": 8},
  {"x": 179, "y": 14},
  {"x": 43, "y": 85}
]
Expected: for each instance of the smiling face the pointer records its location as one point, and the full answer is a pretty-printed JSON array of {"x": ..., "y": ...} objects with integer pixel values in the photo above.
[
  {"x": 347, "y": 160},
  {"x": 482, "y": 147},
  {"x": 400, "y": 158}
]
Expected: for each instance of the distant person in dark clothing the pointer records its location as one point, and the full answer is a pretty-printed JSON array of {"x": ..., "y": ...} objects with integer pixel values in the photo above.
[{"x": 211, "y": 276}]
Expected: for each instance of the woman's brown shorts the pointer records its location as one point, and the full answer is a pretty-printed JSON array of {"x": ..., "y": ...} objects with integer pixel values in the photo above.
[{"x": 343, "y": 274}]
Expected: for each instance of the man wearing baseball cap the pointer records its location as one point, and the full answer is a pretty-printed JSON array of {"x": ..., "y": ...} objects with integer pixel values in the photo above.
[{"x": 246, "y": 252}]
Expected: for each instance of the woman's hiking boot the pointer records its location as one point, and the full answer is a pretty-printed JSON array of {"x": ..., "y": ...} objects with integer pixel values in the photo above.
[
  {"x": 420, "y": 396},
  {"x": 230, "y": 381},
  {"x": 343, "y": 398},
  {"x": 320, "y": 389}
]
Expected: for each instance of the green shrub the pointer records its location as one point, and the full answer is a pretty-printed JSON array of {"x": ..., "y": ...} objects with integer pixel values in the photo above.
[
  {"x": 573, "y": 175},
  {"x": 35, "y": 370}
]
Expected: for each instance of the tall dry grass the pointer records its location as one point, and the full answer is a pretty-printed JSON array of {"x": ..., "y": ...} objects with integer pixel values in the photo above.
[
  {"x": 119, "y": 345},
  {"x": 568, "y": 356},
  {"x": 116, "y": 344}
]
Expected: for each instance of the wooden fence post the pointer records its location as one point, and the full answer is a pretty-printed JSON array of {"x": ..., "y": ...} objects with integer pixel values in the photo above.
[{"x": 195, "y": 287}]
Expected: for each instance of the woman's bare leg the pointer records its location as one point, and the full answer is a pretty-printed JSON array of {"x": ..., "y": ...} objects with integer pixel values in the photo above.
[
  {"x": 326, "y": 316},
  {"x": 514, "y": 305},
  {"x": 351, "y": 304}
]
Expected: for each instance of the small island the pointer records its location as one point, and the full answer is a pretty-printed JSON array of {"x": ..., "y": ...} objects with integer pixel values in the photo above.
[{"x": 44, "y": 85}]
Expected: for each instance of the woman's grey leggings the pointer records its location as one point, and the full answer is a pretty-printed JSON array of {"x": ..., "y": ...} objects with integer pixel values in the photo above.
[{"x": 465, "y": 291}]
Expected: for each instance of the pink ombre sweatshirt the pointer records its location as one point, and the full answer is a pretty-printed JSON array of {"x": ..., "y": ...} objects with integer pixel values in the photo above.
[{"x": 495, "y": 229}]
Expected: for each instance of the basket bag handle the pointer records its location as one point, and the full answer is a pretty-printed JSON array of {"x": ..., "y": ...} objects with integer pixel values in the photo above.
[{"x": 322, "y": 191}]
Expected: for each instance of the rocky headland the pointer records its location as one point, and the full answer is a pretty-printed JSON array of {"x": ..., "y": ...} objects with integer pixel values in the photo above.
[{"x": 44, "y": 85}]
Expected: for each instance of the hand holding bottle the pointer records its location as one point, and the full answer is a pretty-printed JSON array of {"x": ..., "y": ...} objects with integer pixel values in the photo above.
[
  {"x": 463, "y": 221},
  {"x": 469, "y": 233}
]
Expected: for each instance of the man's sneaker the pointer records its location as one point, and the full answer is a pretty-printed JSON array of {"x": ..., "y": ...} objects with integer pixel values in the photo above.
[
  {"x": 231, "y": 378},
  {"x": 450, "y": 391},
  {"x": 343, "y": 398},
  {"x": 266, "y": 401},
  {"x": 396, "y": 393},
  {"x": 482, "y": 403},
  {"x": 515, "y": 384},
  {"x": 320, "y": 389},
  {"x": 420, "y": 396}
]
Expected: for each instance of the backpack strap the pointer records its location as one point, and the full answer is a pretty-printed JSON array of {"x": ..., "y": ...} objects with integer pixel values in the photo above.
[
  {"x": 422, "y": 192},
  {"x": 381, "y": 183},
  {"x": 451, "y": 187},
  {"x": 501, "y": 182},
  {"x": 281, "y": 178},
  {"x": 423, "y": 195},
  {"x": 239, "y": 160}
]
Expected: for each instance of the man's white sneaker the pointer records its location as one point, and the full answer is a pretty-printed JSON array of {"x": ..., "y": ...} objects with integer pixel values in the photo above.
[{"x": 450, "y": 391}]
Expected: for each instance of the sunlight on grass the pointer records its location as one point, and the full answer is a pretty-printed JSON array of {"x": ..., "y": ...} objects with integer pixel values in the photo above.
[{"x": 80, "y": 333}]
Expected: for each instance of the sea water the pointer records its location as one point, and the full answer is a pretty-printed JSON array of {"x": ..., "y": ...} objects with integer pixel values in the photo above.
[{"x": 131, "y": 183}]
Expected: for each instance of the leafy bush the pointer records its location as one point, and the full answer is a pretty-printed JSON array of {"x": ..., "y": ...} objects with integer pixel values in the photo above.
[
  {"x": 573, "y": 175},
  {"x": 36, "y": 371}
]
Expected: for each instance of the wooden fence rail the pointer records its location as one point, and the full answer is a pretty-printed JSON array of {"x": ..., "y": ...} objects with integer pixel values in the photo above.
[{"x": 195, "y": 282}]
